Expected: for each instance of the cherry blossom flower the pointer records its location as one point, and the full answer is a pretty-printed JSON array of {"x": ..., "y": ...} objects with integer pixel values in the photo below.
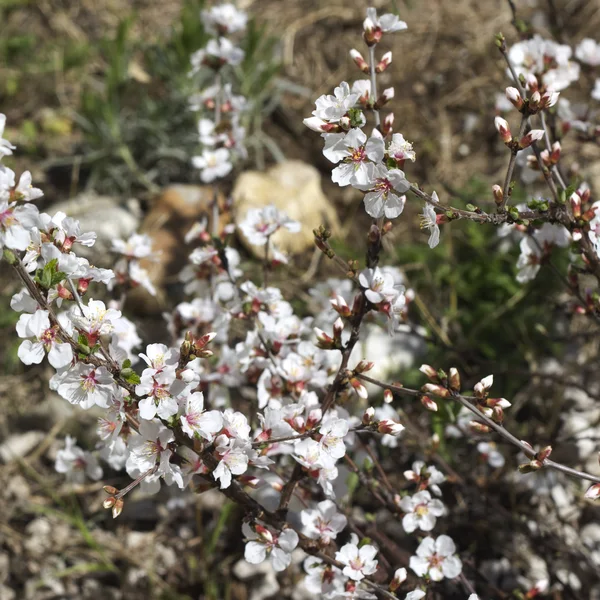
[
  {"x": 324, "y": 522},
  {"x": 135, "y": 247},
  {"x": 354, "y": 151},
  {"x": 489, "y": 452},
  {"x": 159, "y": 389},
  {"x": 150, "y": 450},
  {"x": 85, "y": 385},
  {"x": 388, "y": 23},
  {"x": 429, "y": 221},
  {"x": 400, "y": 149},
  {"x": 218, "y": 52},
  {"x": 96, "y": 320},
  {"x": 261, "y": 223},
  {"x": 213, "y": 164},
  {"x": 422, "y": 511},
  {"x": 435, "y": 558},
  {"x": 359, "y": 562},
  {"x": 15, "y": 225},
  {"x": 198, "y": 422},
  {"x": 25, "y": 192},
  {"x": 224, "y": 19},
  {"x": 6, "y": 147},
  {"x": 233, "y": 459},
  {"x": 76, "y": 463},
  {"x": 381, "y": 199},
  {"x": 332, "y": 441},
  {"x": 588, "y": 52},
  {"x": 322, "y": 578},
  {"x": 47, "y": 339},
  {"x": 263, "y": 543},
  {"x": 426, "y": 476},
  {"x": 379, "y": 285},
  {"x": 333, "y": 108}
]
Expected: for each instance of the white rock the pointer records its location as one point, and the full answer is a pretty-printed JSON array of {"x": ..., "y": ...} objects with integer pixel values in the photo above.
[
  {"x": 19, "y": 445},
  {"x": 294, "y": 187}
]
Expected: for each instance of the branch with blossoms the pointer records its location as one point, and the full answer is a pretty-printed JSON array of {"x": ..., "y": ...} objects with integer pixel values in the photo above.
[{"x": 252, "y": 398}]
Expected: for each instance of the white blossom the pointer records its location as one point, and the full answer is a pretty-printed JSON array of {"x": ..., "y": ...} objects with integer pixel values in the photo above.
[
  {"x": 358, "y": 562},
  {"x": 324, "y": 522},
  {"x": 435, "y": 558}
]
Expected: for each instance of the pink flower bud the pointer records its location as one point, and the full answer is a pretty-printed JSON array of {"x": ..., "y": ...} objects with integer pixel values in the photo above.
[
  {"x": 513, "y": 95},
  {"x": 360, "y": 62},
  {"x": 503, "y": 129},
  {"x": 359, "y": 388},
  {"x": 341, "y": 307},
  {"x": 368, "y": 416},
  {"x": 575, "y": 202},
  {"x": 531, "y": 82},
  {"x": 544, "y": 453},
  {"x": 498, "y": 194},
  {"x": 436, "y": 390},
  {"x": 117, "y": 508},
  {"x": 338, "y": 327},
  {"x": 501, "y": 402},
  {"x": 324, "y": 341},
  {"x": 555, "y": 154},
  {"x": 593, "y": 492},
  {"x": 530, "y": 467},
  {"x": 109, "y": 502},
  {"x": 429, "y": 372},
  {"x": 454, "y": 379},
  {"x": 363, "y": 366},
  {"x": 388, "y": 396},
  {"x": 479, "y": 427},
  {"x": 372, "y": 34},
  {"x": 429, "y": 404},
  {"x": 388, "y": 124},
  {"x": 549, "y": 99},
  {"x": 249, "y": 480},
  {"x": 385, "y": 97},
  {"x": 535, "y": 99},
  {"x": 533, "y": 136},
  {"x": 390, "y": 427},
  {"x": 399, "y": 578},
  {"x": 481, "y": 388},
  {"x": 384, "y": 63},
  {"x": 321, "y": 126}
]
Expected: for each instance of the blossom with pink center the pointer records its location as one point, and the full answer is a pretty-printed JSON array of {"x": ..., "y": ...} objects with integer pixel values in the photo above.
[
  {"x": 76, "y": 463},
  {"x": 333, "y": 108},
  {"x": 324, "y": 522},
  {"x": 85, "y": 385},
  {"x": 262, "y": 543},
  {"x": 381, "y": 198},
  {"x": 198, "y": 422},
  {"x": 261, "y": 223},
  {"x": 399, "y": 149},
  {"x": 358, "y": 562},
  {"x": 429, "y": 221},
  {"x": 355, "y": 154},
  {"x": 233, "y": 459},
  {"x": 379, "y": 286},
  {"x": 435, "y": 558},
  {"x": 46, "y": 339},
  {"x": 332, "y": 440},
  {"x": 421, "y": 511}
]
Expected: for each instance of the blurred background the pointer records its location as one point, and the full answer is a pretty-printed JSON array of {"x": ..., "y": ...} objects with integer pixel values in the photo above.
[{"x": 96, "y": 95}]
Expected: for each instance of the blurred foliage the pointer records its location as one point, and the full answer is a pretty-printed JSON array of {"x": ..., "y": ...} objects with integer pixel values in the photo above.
[{"x": 138, "y": 129}]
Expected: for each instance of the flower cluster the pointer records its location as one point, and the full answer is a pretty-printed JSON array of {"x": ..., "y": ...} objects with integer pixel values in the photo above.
[{"x": 220, "y": 132}]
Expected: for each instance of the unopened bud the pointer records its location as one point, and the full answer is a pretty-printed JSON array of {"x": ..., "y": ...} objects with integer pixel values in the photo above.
[
  {"x": 368, "y": 416},
  {"x": 324, "y": 341},
  {"x": 454, "y": 379},
  {"x": 109, "y": 502},
  {"x": 429, "y": 404},
  {"x": 109, "y": 489},
  {"x": 346, "y": 123},
  {"x": 385, "y": 97},
  {"x": 479, "y": 427},
  {"x": 429, "y": 372},
  {"x": 544, "y": 453},
  {"x": 388, "y": 124},
  {"x": 530, "y": 467},
  {"x": 388, "y": 396},
  {"x": 384, "y": 63},
  {"x": 513, "y": 95},
  {"x": 575, "y": 202},
  {"x": 498, "y": 194},
  {"x": 535, "y": 99},
  {"x": 549, "y": 99},
  {"x": 249, "y": 480},
  {"x": 436, "y": 390},
  {"x": 555, "y": 154},
  {"x": 593, "y": 492},
  {"x": 399, "y": 578},
  {"x": 533, "y": 136},
  {"x": 359, "y": 388},
  {"x": 390, "y": 427},
  {"x": 481, "y": 387},
  {"x": 338, "y": 327},
  {"x": 498, "y": 414},
  {"x": 340, "y": 306},
  {"x": 363, "y": 366},
  {"x": 372, "y": 34},
  {"x": 117, "y": 509},
  {"x": 321, "y": 126},
  {"x": 531, "y": 82},
  {"x": 503, "y": 129},
  {"x": 358, "y": 59}
]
